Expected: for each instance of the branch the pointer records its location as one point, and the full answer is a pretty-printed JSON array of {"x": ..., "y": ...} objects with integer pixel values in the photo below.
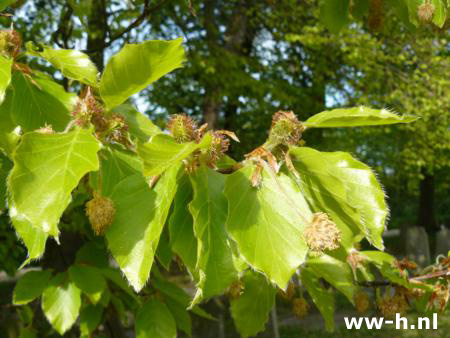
[
  {"x": 445, "y": 273},
  {"x": 147, "y": 10}
]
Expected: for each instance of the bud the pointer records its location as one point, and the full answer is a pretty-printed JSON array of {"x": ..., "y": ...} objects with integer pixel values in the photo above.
[
  {"x": 100, "y": 211},
  {"x": 389, "y": 306},
  {"x": 425, "y": 12},
  {"x": 10, "y": 42},
  {"x": 300, "y": 307},
  {"x": 362, "y": 302},
  {"x": 322, "y": 234},
  {"x": 47, "y": 129},
  {"x": 286, "y": 129},
  {"x": 236, "y": 289},
  {"x": 182, "y": 128}
]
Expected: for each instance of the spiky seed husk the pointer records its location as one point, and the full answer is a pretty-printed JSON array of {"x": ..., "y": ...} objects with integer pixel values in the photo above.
[
  {"x": 440, "y": 297},
  {"x": 300, "y": 307},
  {"x": 236, "y": 289},
  {"x": 286, "y": 128},
  {"x": 362, "y": 301},
  {"x": 389, "y": 306},
  {"x": 322, "y": 234},
  {"x": 425, "y": 12},
  {"x": 182, "y": 128},
  {"x": 87, "y": 110},
  {"x": 100, "y": 211}
]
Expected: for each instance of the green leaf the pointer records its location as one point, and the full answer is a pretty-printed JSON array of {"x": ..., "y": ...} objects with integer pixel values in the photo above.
[
  {"x": 440, "y": 12},
  {"x": 5, "y": 167},
  {"x": 386, "y": 264},
  {"x": 136, "y": 66},
  {"x": 92, "y": 253},
  {"x": 47, "y": 102},
  {"x": 82, "y": 9},
  {"x": 181, "y": 229},
  {"x": 164, "y": 252},
  {"x": 139, "y": 125},
  {"x": 30, "y": 286},
  {"x": 73, "y": 64},
  {"x": 359, "y": 8},
  {"x": 5, "y": 75},
  {"x": 339, "y": 183},
  {"x": 47, "y": 167},
  {"x": 323, "y": 298},
  {"x": 335, "y": 272},
  {"x": 162, "y": 152},
  {"x": 154, "y": 320},
  {"x": 251, "y": 310},
  {"x": 90, "y": 318},
  {"x": 355, "y": 117},
  {"x": 209, "y": 211},
  {"x": 61, "y": 304},
  {"x": 181, "y": 316},
  {"x": 28, "y": 332},
  {"x": 141, "y": 213},
  {"x": 116, "y": 164},
  {"x": 334, "y": 14},
  {"x": 267, "y": 222},
  {"x": 89, "y": 280},
  {"x": 6, "y": 3},
  {"x": 412, "y": 10},
  {"x": 117, "y": 278},
  {"x": 9, "y": 131}
]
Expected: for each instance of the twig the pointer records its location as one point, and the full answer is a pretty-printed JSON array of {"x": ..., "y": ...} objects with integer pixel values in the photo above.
[{"x": 445, "y": 273}]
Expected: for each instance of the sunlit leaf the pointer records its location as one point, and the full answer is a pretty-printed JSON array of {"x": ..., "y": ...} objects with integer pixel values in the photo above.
[
  {"x": 73, "y": 64},
  {"x": 139, "y": 125},
  {"x": 267, "y": 222},
  {"x": 89, "y": 280},
  {"x": 5, "y": 75},
  {"x": 354, "y": 117},
  {"x": 136, "y": 66},
  {"x": 30, "y": 286}
]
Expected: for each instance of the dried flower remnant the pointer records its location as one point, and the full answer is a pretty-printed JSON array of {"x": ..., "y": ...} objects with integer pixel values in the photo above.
[
  {"x": 439, "y": 298},
  {"x": 425, "y": 11},
  {"x": 100, "y": 211},
  {"x": 300, "y": 307},
  {"x": 182, "y": 128},
  {"x": 289, "y": 293},
  {"x": 355, "y": 260},
  {"x": 362, "y": 302},
  {"x": 10, "y": 42},
  {"x": 322, "y": 234}
]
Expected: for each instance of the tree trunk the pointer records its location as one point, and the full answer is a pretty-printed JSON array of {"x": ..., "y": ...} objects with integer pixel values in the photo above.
[
  {"x": 426, "y": 203},
  {"x": 97, "y": 28}
]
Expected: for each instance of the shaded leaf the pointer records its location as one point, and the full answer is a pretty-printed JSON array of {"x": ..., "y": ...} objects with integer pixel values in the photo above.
[
  {"x": 73, "y": 64},
  {"x": 334, "y": 14},
  {"x": 386, "y": 264},
  {"x": 182, "y": 239},
  {"x": 324, "y": 299},
  {"x": 5, "y": 167},
  {"x": 89, "y": 280},
  {"x": 47, "y": 102},
  {"x": 267, "y": 223},
  {"x": 354, "y": 117},
  {"x": 209, "y": 211},
  {"x": 154, "y": 320},
  {"x": 136, "y": 66},
  {"x": 9, "y": 131},
  {"x": 30, "y": 286},
  {"x": 141, "y": 213},
  {"x": 250, "y": 311},
  {"x": 90, "y": 318}
]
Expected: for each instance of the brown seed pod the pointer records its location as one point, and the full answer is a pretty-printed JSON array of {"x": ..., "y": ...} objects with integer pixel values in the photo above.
[
  {"x": 10, "y": 43},
  {"x": 425, "y": 12},
  {"x": 322, "y": 234},
  {"x": 182, "y": 128},
  {"x": 300, "y": 307},
  {"x": 100, "y": 211},
  {"x": 362, "y": 302}
]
